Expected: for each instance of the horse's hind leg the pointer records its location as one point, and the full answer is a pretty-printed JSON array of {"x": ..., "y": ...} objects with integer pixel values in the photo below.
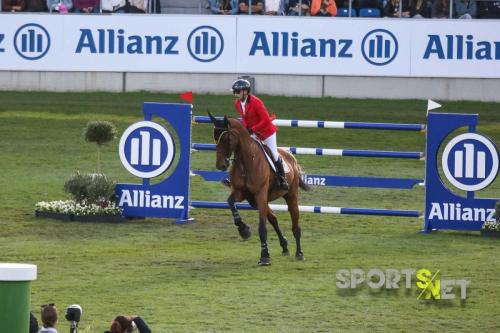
[
  {"x": 243, "y": 228},
  {"x": 293, "y": 208},
  {"x": 274, "y": 222}
]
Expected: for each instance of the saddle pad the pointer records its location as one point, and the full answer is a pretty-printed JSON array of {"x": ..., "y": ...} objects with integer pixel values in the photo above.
[{"x": 269, "y": 159}]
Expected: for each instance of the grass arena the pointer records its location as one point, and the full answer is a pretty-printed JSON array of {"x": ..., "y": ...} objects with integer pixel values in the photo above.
[{"x": 201, "y": 277}]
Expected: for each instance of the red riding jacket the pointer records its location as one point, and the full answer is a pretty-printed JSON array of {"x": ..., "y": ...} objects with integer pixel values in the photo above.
[{"x": 256, "y": 117}]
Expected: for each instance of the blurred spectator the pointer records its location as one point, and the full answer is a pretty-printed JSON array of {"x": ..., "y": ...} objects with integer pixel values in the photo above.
[
  {"x": 86, "y": 6},
  {"x": 61, "y": 6},
  {"x": 465, "y": 9},
  {"x": 257, "y": 7},
  {"x": 391, "y": 9},
  {"x": 49, "y": 319},
  {"x": 419, "y": 9},
  {"x": 488, "y": 9},
  {"x": 113, "y": 6},
  {"x": 274, "y": 7},
  {"x": 36, "y": 6},
  {"x": 137, "y": 6},
  {"x": 294, "y": 8},
  {"x": 33, "y": 324},
  {"x": 441, "y": 9},
  {"x": 323, "y": 8},
  {"x": 224, "y": 7},
  {"x": 13, "y": 5},
  {"x": 123, "y": 324}
]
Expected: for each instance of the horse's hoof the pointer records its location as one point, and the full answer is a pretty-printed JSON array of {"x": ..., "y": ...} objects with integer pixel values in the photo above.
[
  {"x": 300, "y": 256},
  {"x": 245, "y": 232},
  {"x": 264, "y": 261},
  {"x": 285, "y": 253}
]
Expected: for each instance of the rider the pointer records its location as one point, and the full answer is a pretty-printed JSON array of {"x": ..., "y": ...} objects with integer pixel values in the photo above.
[{"x": 258, "y": 123}]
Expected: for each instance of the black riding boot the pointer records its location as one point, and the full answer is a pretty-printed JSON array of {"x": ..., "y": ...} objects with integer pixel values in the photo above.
[{"x": 280, "y": 175}]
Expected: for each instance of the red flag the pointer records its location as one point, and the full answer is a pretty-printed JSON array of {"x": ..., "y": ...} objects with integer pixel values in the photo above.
[{"x": 187, "y": 96}]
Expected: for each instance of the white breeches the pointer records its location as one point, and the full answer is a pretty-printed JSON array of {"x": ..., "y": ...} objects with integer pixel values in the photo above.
[{"x": 271, "y": 143}]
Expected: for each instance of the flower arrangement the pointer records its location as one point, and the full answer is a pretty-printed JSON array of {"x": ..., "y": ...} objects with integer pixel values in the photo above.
[
  {"x": 71, "y": 207},
  {"x": 492, "y": 228}
]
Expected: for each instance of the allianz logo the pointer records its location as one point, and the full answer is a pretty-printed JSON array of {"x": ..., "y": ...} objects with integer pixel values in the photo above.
[
  {"x": 309, "y": 180},
  {"x": 144, "y": 199},
  {"x": 461, "y": 47},
  {"x": 455, "y": 212}
]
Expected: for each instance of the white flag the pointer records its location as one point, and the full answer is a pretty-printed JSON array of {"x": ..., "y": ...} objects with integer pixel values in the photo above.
[{"x": 431, "y": 105}]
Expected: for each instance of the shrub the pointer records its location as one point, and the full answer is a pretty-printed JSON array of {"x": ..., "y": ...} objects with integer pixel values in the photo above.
[
  {"x": 100, "y": 132},
  {"x": 90, "y": 188}
]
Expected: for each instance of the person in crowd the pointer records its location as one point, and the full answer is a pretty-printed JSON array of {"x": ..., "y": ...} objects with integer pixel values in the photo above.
[
  {"x": 294, "y": 8},
  {"x": 419, "y": 9},
  {"x": 61, "y": 6},
  {"x": 488, "y": 9},
  {"x": 33, "y": 323},
  {"x": 259, "y": 124},
  {"x": 257, "y": 7},
  {"x": 391, "y": 9},
  {"x": 224, "y": 7},
  {"x": 465, "y": 9},
  {"x": 13, "y": 6},
  {"x": 274, "y": 7},
  {"x": 441, "y": 9},
  {"x": 323, "y": 8},
  {"x": 86, "y": 6},
  {"x": 137, "y": 6},
  {"x": 127, "y": 324},
  {"x": 113, "y": 6},
  {"x": 49, "y": 319},
  {"x": 36, "y": 6}
]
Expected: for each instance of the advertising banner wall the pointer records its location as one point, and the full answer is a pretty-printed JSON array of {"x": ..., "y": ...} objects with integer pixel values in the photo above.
[{"x": 256, "y": 44}]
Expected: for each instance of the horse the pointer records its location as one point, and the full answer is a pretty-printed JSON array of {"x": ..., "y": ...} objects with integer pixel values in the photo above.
[{"x": 253, "y": 179}]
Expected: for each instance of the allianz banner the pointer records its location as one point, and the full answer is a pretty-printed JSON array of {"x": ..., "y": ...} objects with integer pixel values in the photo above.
[{"x": 257, "y": 44}]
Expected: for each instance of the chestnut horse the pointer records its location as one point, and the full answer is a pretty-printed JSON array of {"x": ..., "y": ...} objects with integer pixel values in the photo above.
[{"x": 253, "y": 179}]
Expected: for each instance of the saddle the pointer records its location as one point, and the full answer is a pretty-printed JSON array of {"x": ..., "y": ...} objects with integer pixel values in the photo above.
[{"x": 268, "y": 154}]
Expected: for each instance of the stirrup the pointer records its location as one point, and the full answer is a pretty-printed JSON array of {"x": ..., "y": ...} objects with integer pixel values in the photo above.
[
  {"x": 282, "y": 183},
  {"x": 226, "y": 181}
]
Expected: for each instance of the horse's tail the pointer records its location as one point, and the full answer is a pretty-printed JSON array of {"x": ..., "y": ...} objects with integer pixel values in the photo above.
[{"x": 302, "y": 183}]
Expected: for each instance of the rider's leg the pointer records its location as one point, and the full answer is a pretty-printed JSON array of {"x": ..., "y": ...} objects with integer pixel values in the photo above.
[{"x": 278, "y": 162}]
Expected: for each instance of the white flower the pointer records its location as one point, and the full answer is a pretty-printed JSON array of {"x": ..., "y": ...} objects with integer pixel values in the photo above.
[{"x": 75, "y": 208}]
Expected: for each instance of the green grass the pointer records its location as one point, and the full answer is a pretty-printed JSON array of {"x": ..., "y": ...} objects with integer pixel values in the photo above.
[{"x": 201, "y": 277}]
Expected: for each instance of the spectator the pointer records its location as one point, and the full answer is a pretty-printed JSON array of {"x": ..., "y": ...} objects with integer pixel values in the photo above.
[
  {"x": 275, "y": 7},
  {"x": 49, "y": 319},
  {"x": 418, "y": 9},
  {"x": 465, "y": 9},
  {"x": 86, "y": 6},
  {"x": 323, "y": 8},
  {"x": 294, "y": 8},
  {"x": 257, "y": 7},
  {"x": 113, "y": 6},
  {"x": 391, "y": 9},
  {"x": 137, "y": 6},
  {"x": 123, "y": 324},
  {"x": 441, "y": 9},
  {"x": 61, "y": 6},
  {"x": 33, "y": 324},
  {"x": 13, "y": 5},
  {"x": 36, "y": 6},
  {"x": 224, "y": 7},
  {"x": 489, "y": 9}
]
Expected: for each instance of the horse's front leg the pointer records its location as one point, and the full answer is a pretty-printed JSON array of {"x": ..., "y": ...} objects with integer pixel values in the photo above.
[
  {"x": 261, "y": 201},
  {"x": 243, "y": 228}
]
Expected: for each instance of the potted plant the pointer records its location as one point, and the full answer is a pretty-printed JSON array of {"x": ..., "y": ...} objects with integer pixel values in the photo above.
[
  {"x": 492, "y": 228},
  {"x": 100, "y": 132}
]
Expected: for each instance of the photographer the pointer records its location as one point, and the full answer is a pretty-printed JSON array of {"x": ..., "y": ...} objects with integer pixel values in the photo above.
[
  {"x": 122, "y": 324},
  {"x": 323, "y": 8}
]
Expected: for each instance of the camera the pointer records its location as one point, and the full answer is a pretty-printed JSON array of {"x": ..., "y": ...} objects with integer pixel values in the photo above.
[{"x": 73, "y": 315}]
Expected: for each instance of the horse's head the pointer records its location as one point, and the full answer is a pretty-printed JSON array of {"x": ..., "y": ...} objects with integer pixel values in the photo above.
[{"x": 225, "y": 141}]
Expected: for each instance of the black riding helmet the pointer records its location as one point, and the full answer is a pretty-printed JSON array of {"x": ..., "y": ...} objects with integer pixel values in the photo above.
[{"x": 240, "y": 84}]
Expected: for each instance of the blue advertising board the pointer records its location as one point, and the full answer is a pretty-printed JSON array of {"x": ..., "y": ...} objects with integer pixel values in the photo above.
[
  {"x": 147, "y": 149},
  {"x": 469, "y": 162}
]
